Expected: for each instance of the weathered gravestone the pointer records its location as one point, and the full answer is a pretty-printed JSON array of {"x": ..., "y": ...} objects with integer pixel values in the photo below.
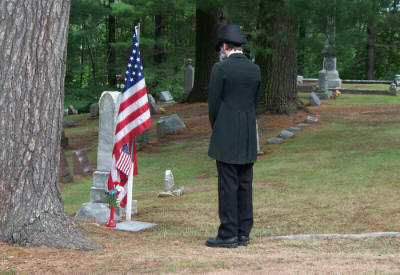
[
  {"x": 168, "y": 124},
  {"x": 97, "y": 209},
  {"x": 299, "y": 79},
  {"x": 64, "y": 172},
  {"x": 72, "y": 110},
  {"x": 80, "y": 163},
  {"x": 314, "y": 99},
  {"x": 188, "y": 80},
  {"x": 64, "y": 140},
  {"x": 311, "y": 119},
  {"x": 94, "y": 110},
  {"x": 397, "y": 80},
  {"x": 142, "y": 140},
  {"x": 166, "y": 97},
  {"x": 152, "y": 104},
  {"x": 294, "y": 129},
  {"x": 393, "y": 89},
  {"x": 323, "y": 92}
]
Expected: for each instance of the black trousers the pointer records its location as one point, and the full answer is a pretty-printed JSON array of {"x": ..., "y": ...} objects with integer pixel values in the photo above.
[{"x": 235, "y": 199}]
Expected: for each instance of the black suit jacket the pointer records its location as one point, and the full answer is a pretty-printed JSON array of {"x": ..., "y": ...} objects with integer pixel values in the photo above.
[{"x": 232, "y": 98}]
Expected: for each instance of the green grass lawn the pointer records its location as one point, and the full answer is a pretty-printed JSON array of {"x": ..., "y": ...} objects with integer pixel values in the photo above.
[
  {"x": 342, "y": 177},
  {"x": 355, "y": 100}
]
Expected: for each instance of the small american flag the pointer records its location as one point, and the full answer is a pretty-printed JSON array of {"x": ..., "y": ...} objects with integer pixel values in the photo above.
[
  {"x": 133, "y": 118},
  {"x": 124, "y": 163}
]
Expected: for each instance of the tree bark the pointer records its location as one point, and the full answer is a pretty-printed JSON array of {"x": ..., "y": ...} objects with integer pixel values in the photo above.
[
  {"x": 369, "y": 69},
  {"x": 277, "y": 58},
  {"x": 33, "y": 36},
  {"x": 112, "y": 79},
  {"x": 207, "y": 26},
  {"x": 159, "y": 33}
]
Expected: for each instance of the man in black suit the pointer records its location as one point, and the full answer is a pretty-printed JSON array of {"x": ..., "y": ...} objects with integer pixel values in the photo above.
[{"x": 232, "y": 96}]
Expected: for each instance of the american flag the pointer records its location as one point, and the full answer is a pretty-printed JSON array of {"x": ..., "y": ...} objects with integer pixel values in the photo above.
[{"x": 133, "y": 118}]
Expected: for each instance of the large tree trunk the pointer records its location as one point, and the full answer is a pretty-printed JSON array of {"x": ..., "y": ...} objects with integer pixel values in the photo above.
[
  {"x": 369, "y": 67},
  {"x": 207, "y": 26},
  {"x": 33, "y": 36},
  {"x": 159, "y": 33},
  {"x": 112, "y": 76},
  {"x": 276, "y": 57}
]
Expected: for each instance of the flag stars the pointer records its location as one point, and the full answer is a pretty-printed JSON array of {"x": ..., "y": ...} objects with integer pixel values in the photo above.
[
  {"x": 136, "y": 44},
  {"x": 134, "y": 51},
  {"x": 139, "y": 74},
  {"x": 129, "y": 65},
  {"x": 135, "y": 66},
  {"x": 131, "y": 58},
  {"x": 141, "y": 67},
  {"x": 138, "y": 59},
  {"x": 131, "y": 79}
]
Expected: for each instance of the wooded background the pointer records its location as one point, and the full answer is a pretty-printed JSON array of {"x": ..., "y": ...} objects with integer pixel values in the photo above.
[{"x": 285, "y": 38}]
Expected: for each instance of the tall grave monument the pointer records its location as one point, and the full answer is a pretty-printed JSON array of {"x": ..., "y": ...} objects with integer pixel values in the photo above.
[
  {"x": 97, "y": 209},
  {"x": 328, "y": 77}
]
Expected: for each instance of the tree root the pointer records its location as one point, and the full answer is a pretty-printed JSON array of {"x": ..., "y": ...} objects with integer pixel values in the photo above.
[{"x": 300, "y": 105}]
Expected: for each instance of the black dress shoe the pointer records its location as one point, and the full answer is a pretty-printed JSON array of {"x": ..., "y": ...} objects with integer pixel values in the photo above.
[
  {"x": 244, "y": 240},
  {"x": 219, "y": 242}
]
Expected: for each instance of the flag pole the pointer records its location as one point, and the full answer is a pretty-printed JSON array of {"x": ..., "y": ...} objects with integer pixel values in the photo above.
[{"x": 129, "y": 193}]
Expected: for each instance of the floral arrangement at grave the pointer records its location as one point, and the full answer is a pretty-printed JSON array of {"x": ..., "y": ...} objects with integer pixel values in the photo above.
[
  {"x": 114, "y": 200},
  {"x": 335, "y": 94},
  {"x": 112, "y": 196}
]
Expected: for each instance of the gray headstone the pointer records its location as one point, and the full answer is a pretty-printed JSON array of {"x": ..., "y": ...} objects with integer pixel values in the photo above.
[
  {"x": 68, "y": 123},
  {"x": 301, "y": 125},
  {"x": 64, "y": 140},
  {"x": 166, "y": 96},
  {"x": 188, "y": 80},
  {"x": 169, "y": 124},
  {"x": 322, "y": 81},
  {"x": 64, "y": 171},
  {"x": 393, "y": 89},
  {"x": 80, "y": 162},
  {"x": 314, "y": 99},
  {"x": 311, "y": 119},
  {"x": 294, "y": 129},
  {"x": 142, "y": 140},
  {"x": 99, "y": 212},
  {"x": 168, "y": 181},
  {"x": 274, "y": 140},
  {"x": 109, "y": 105},
  {"x": 152, "y": 103},
  {"x": 286, "y": 134},
  {"x": 332, "y": 75},
  {"x": 94, "y": 110},
  {"x": 299, "y": 79},
  {"x": 397, "y": 80},
  {"x": 72, "y": 110}
]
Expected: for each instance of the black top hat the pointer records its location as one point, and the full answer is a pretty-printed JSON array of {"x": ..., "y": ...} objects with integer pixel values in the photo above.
[{"x": 229, "y": 33}]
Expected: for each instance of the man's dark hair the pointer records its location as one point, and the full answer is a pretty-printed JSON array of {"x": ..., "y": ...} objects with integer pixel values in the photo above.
[{"x": 233, "y": 46}]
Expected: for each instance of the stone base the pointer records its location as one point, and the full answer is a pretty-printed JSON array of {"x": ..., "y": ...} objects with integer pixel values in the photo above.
[
  {"x": 100, "y": 212},
  {"x": 97, "y": 194},
  {"x": 334, "y": 83},
  {"x": 324, "y": 95},
  {"x": 133, "y": 226}
]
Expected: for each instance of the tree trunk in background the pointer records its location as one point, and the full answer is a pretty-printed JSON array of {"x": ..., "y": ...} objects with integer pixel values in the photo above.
[
  {"x": 207, "y": 26},
  {"x": 278, "y": 61},
  {"x": 369, "y": 69},
  {"x": 112, "y": 79},
  {"x": 33, "y": 37},
  {"x": 159, "y": 34},
  {"x": 389, "y": 62},
  {"x": 300, "y": 58}
]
